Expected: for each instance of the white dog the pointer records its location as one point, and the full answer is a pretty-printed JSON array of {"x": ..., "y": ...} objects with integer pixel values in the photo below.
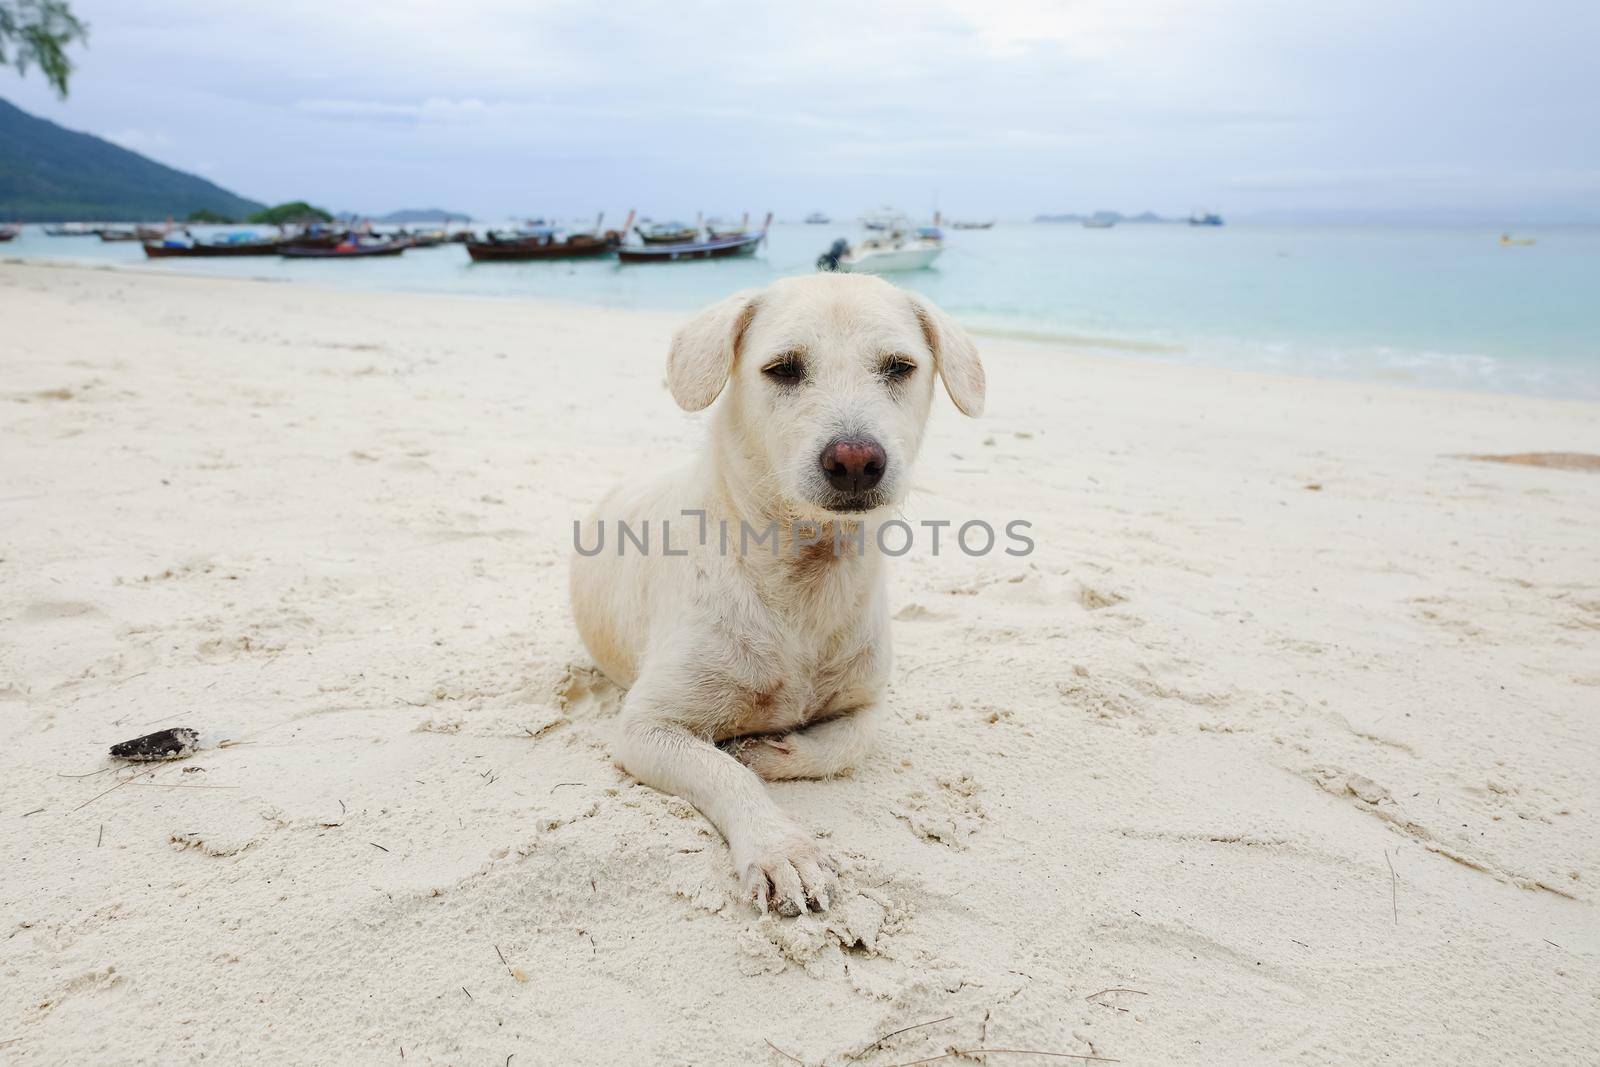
[{"x": 747, "y": 659}]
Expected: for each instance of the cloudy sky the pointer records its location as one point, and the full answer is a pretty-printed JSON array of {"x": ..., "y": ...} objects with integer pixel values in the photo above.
[{"x": 494, "y": 107}]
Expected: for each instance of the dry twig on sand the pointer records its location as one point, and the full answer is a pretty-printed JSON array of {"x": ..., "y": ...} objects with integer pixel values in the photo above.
[
  {"x": 785, "y": 1055},
  {"x": 113, "y": 789},
  {"x": 953, "y": 1053},
  {"x": 1394, "y": 888},
  {"x": 896, "y": 1033}
]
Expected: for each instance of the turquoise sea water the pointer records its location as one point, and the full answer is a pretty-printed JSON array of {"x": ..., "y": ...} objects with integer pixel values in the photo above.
[{"x": 1442, "y": 307}]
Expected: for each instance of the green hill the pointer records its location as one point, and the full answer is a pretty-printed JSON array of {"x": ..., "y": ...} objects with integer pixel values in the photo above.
[{"x": 50, "y": 174}]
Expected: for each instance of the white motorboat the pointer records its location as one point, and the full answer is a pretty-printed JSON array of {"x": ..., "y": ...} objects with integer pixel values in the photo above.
[
  {"x": 890, "y": 254},
  {"x": 899, "y": 248}
]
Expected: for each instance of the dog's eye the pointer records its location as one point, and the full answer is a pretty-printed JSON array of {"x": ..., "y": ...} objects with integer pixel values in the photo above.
[
  {"x": 897, "y": 368},
  {"x": 786, "y": 369}
]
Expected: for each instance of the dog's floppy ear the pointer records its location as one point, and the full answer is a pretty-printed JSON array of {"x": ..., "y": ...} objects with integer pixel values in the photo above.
[
  {"x": 955, "y": 354},
  {"x": 703, "y": 351}
]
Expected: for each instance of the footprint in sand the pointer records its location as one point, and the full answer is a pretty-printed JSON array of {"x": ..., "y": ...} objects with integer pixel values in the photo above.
[
  {"x": 948, "y": 814},
  {"x": 915, "y": 612},
  {"x": 584, "y": 692},
  {"x": 1094, "y": 599}
]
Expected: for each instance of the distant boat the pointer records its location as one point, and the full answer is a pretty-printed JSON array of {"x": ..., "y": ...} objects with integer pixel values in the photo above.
[
  {"x": 1205, "y": 218},
  {"x": 424, "y": 239},
  {"x": 883, "y": 221},
  {"x": 70, "y": 229},
  {"x": 817, "y": 218},
  {"x": 9, "y": 232},
  {"x": 1508, "y": 241},
  {"x": 969, "y": 225},
  {"x": 134, "y": 233},
  {"x": 1099, "y": 222}
]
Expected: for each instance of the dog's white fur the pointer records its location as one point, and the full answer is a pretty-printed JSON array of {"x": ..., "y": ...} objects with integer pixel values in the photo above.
[{"x": 744, "y": 666}]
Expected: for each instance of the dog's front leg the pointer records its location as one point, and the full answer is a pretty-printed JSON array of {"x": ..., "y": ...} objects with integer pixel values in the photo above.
[
  {"x": 821, "y": 750},
  {"x": 779, "y": 864}
]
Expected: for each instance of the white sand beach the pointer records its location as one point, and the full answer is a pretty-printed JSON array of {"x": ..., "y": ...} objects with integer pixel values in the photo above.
[{"x": 1281, "y": 747}]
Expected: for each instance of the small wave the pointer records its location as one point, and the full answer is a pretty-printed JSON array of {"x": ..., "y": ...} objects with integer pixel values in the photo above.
[{"x": 1076, "y": 340}]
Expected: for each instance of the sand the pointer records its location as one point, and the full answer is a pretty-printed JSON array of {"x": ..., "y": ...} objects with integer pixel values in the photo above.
[{"x": 1282, "y": 746}]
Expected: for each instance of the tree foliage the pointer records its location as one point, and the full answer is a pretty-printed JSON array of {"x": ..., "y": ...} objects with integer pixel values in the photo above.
[
  {"x": 38, "y": 32},
  {"x": 206, "y": 215},
  {"x": 292, "y": 212}
]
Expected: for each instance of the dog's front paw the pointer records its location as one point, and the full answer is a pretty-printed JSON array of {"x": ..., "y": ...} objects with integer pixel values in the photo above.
[
  {"x": 786, "y": 869},
  {"x": 773, "y": 758}
]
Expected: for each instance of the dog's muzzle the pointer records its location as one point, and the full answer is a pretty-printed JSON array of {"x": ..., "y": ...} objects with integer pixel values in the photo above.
[{"x": 853, "y": 468}]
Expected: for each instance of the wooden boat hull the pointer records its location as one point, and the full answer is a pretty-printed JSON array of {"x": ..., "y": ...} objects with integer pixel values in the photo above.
[
  {"x": 6, "y": 235},
  {"x": 394, "y": 248},
  {"x": 523, "y": 251},
  {"x": 238, "y": 248},
  {"x": 744, "y": 245},
  {"x": 316, "y": 240}
]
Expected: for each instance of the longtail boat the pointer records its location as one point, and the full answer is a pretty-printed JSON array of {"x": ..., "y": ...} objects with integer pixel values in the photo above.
[
  {"x": 714, "y": 248},
  {"x": 319, "y": 237},
  {"x": 70, "y": 229},
  {"x": 716, "y": 228},
  {"x": 667, "y": 233},
  {"x": 136, "y": 233},
  {"x": 426, "y": 239},
  {"x": 8, "y": 232},
  {"x": 231, "y": 245},
  {"x": 548, "y": 244},
  {"x": 348, "y": 249}
]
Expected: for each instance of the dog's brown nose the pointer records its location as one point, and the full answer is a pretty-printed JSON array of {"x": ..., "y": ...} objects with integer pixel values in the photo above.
[{"x": 853, "y": 464}]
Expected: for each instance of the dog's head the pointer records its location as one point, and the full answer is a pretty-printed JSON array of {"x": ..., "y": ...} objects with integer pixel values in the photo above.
[{"x": 829, "y": 380}]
